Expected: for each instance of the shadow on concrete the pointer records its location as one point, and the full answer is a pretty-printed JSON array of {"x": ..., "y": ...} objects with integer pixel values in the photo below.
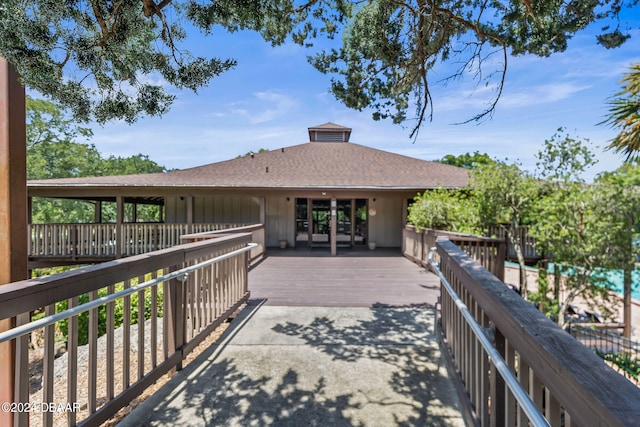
[
  {"x": 324, "y": 367},
  {"x": 402, "y": 338}
]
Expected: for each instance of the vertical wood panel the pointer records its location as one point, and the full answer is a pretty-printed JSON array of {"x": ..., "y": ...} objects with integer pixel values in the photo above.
[
  {"x": 154, "y": 322},
  {"x": 141, "y": 330},
  {"x": 72, "y": 362},
  {"x": 93, "y": 356},
  {"x": 22, "y": 370},
  {"x": 110, "y": 319},
  {"x": 47, "y": 368},
  {"x": 523, "y": 379},
  {"x": 126, "y": 337}
]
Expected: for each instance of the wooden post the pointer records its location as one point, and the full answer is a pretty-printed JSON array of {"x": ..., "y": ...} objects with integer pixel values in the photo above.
[
  {"x": 189, "y": 214},
  {"x": 13, "y": 211},
  {"x": 97, "y": 212},
  {"x": 500, "y": 257},
  {"x": 334, "y": 225},
  {"x": 120, "y": 251}
]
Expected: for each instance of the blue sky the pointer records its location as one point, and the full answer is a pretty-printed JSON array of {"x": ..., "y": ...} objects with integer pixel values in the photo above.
[{"x": 273, "y": 95}]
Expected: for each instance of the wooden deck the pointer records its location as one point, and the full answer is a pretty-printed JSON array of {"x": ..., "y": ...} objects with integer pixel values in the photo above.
[{"x": 354, "y": 278}]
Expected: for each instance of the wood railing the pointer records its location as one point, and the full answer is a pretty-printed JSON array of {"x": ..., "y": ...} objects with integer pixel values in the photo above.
[
  {"x": 528, "y": 243},
  {"x": 568, "y": 383},
  {"x": 257, "y": 237},
  {"x": 109, "y": 240},
  {"x": 489, "y": 252},
  {"x": 168, "y": 313}
]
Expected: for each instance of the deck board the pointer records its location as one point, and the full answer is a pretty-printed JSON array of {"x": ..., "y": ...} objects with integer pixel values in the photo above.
[{"x": 285, "y": 278}]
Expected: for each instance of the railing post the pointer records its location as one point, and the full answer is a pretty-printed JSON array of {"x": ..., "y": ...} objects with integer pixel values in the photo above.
[
  {"x": 500, "y": 257},
  {"x": 73, "y": 241},
  {"x": 175, "y": 316},
  {"x": 13, "y": 211}
]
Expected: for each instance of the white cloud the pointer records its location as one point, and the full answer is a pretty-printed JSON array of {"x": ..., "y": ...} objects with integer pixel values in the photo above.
[
  {"x": 265, "y": 106},
  {"x": 542, "y": 94}
]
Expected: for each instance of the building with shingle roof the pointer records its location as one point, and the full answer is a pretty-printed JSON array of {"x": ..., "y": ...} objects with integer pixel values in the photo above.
[{"x": 294, "y": 191}]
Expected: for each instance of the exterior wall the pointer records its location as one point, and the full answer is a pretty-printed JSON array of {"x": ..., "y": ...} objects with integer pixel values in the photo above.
[
  {"x": 280, "y": 222},
  {"x": 214, "y": 209},
  {"x": 385, "y": 228}
]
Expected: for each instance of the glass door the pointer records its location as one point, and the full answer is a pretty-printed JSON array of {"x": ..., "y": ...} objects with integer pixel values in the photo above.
[
  {"x": 320, "y": 222},
  {"x": 302, "y": 222},
  {"x": 360, "y": 228},
  {"x": 344, "y": 220}
]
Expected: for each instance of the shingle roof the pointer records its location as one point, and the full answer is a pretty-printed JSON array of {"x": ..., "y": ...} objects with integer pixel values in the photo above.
[{"x": 310, "y": 165}]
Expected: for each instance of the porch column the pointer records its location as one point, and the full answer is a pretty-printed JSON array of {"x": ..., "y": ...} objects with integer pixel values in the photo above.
[
  {"x": 334, "y": 225},
  {"x": 405, "y": 208},
  {"x": 97, "y": 212},
  {"x": 119, "y": 222},
  {"x": 263, "y": 211},
  {"x": 13, "y": 211},
  {"x": 189, "y": 214}
]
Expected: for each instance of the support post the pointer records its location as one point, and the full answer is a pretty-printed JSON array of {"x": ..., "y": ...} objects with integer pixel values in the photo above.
[
  {"x": 334, "y": 225},
  {"x": 13, "y": 211},
  {"x": 189, "y": 214},
  {"x": 120, "y": 248},
  {"x": 97, "y": 212}
]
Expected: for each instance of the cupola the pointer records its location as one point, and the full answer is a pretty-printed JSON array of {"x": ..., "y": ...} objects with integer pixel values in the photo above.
[{"x": 329, "y": 132}]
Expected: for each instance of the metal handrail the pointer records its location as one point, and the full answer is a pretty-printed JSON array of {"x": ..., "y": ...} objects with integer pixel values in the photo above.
[
  {"x": 529, "y": 408},
  {"x": 178, "y": 274}
]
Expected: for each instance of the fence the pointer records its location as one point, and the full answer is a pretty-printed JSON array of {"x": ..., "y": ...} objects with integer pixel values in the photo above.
[
  {"x": 528, "y": 243},
  {"x": 621, "y": 353},
  {"x": 109, "y": 240},
  {"x": 489, "y": 252},
  {"x": 168, "y": 301},
  {"x": 257, "y": 237},
  {"x": 566, "y": 381}
]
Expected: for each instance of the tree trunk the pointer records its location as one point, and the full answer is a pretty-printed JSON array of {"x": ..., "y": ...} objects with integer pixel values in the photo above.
[{"x": 514, "y": 237}]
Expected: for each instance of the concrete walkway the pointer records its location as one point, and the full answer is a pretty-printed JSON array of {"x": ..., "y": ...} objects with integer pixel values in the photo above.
[{"x": 313, "y": 366}]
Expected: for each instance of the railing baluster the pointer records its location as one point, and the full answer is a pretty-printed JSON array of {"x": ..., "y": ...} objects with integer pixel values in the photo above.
[
  {"x": 126, "y": 337},
  {"x": 510, "y": 403},
  {"x": 141, "y": 331},
  {"x": 536, "y": 391},
  {"x": 22, "y": 371},
  {"x": 206, "y": 286},
  {"x": 110, "y": 326},
  {"x": 93, "y": 356},
  {"x": 166, "y": 317},
  {"x": 552, "y": 409},
  {"x": 523, "y": 379},
  {"x": 154, "y": 323},
  {"x": 498, "y": 397},
  {"x": 72, "y": 362},
  {"x": 47, "y": 368},
  {"x": 477, "y": 362}
]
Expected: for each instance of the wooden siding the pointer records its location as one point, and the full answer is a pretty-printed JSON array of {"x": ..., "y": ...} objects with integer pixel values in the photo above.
[
  {"x": 280, "y": 220},
  {"x": 385, "y": 228},
  {"x": 245, "y": 209}
]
